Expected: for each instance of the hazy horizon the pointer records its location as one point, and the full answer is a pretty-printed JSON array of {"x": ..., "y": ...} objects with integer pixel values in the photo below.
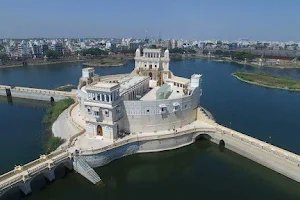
[{"x": 271, "y": 20}]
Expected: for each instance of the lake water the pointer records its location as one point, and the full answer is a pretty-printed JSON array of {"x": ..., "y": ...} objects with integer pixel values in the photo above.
[{"x": 197, "y": 171}]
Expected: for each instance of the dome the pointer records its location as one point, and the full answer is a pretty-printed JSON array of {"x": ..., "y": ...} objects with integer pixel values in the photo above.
[
  {"x": 166, "y": 54},
  {"x": 138, "y": 52}
]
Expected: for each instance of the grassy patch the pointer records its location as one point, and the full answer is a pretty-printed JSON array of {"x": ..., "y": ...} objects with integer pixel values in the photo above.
[
  {"x": 51, "y": 115},
  {"x": 54, "y": 111},
  {"x": 269, "y": 80},
  {"x": 53, "y": 143},
  {"x": 107, "y": 61}
]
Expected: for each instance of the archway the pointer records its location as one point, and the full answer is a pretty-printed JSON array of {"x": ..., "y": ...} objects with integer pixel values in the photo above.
[
  {"x": 99, "y": 130},
  {"x": 221, "y": 145},
  {"x": 150, "y": 74},
  {"x": 51, "y": 99}
]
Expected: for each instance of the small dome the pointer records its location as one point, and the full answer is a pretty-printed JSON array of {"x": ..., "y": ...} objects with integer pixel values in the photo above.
[
  {"x": 138, "y": 52},
  {"x": 166, "y": 54}
]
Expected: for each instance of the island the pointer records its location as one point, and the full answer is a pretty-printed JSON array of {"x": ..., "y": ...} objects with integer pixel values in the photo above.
[
  {"x": 267, "y": 80},
  {"x": 106, "y": 61}
]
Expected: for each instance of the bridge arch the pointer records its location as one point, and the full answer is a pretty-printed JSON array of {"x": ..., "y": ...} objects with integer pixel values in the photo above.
[
  {"x": 38, "y": 182},
  {"x": 221, "y": 145},
  {"x": 202, "y": 136},
  {"x": 52, "y": 99},
  {"x": 13, "y": 192},
  {"x": 60, "y": 171}
]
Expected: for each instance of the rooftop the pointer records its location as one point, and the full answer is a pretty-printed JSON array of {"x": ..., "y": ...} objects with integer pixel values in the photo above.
[
  {"x": 176, "y": 93},
  {"x": 102, "y": 86},
  {"x": 128, "y": 82},
  {"x": 179, "y": 80},
  {"x": 152, "y": 50}
]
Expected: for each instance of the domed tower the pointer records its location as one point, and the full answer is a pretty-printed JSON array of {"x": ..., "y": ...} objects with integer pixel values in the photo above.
[
  {"x": 138, "y": 52},
  {"x": 166, "y": 54},
  {"x": 165, "y": 64},
  {"x": 137, "y": 58}
]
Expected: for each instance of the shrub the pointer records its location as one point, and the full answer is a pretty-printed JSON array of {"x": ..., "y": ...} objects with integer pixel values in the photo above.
[{"x": 53, "y": 143}]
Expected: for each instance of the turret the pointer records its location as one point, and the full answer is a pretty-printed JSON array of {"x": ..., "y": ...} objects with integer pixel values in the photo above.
[
  {"x": 166, "y": 54},
  {"x": 138, "y": 52},
  {"x": 196, "y": 80},
  {"x": 88, "y": 72}
]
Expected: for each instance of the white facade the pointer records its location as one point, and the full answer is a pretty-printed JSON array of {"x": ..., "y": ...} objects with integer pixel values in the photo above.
[
  {"x": 152, "y": 60},
  {"x": 126, "y": 104}
]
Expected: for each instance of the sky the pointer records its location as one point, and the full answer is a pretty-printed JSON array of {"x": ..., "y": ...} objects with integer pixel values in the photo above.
[{"x": 273, "y": 20}]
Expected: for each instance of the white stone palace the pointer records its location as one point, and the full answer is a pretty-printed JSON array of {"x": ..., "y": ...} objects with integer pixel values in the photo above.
[{"x": 150, "y": 99}]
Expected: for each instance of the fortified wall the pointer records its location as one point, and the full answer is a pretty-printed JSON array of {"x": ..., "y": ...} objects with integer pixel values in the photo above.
[
  {"x": 33, "y": 93},
  {"x": 146, "y": 116}
]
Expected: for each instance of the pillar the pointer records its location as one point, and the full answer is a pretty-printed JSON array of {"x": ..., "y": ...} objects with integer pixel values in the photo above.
[
  {"x": 100, "y": 96},
  {"x": 50, "y": 175},
  {"x": 105, "y": 99},
  {"x": 25, "y": 187},
  {"x": 109, "y": 98},
  {"x": 68, "y": 165}
]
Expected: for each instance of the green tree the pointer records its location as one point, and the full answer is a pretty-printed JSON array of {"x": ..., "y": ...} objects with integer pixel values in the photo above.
[
  {"x": 298, "y": 58},
  {"x": 94, "y": 52},
  {"x": 177, "y": 50},
  {"x": 219, "y": 53},
  {"x": 191, "y": 51},
  {"x": 51, "y": 53},
  {"x": 205, "y": 52},
  {"x": 4, "y": 56},
  {"x": 53, "y": 144}
]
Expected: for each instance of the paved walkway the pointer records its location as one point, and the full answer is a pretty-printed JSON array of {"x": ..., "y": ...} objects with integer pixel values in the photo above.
[
  {"x": 76, "y": 116},
  {"x": 63, "y": 128}
]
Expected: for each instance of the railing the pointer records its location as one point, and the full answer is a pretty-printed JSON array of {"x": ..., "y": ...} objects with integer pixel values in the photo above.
[
  {"x": 144, "y": 138},
  {"x": 35, "y": 90},
  {"x": 75, "y": 124},
  {"x": 268, "y": 148},
  {"x": 32, "y": 168},
  {"x": 288, "y": 156}
]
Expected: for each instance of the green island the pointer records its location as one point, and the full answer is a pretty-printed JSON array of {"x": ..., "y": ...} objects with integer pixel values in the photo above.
[
  {"x": 51, "y": 115},
  {"x": 106, "y": 61},
  {"x": 267, "y": 80}
]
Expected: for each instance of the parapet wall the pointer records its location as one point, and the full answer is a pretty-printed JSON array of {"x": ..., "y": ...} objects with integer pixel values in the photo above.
[
  {"x": 146, "y": 116},
  {"x": 33, "y": 93}
]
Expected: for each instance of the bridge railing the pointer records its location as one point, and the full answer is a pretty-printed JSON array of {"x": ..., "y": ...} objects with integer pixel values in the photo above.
[
  {"x": 32, "y": 168},
  {"x": 268, "y": 148},
  {"x": 5, "y": 87},
  {"x": 138, "y": 138},
  {"x": 45, "y": 91}
]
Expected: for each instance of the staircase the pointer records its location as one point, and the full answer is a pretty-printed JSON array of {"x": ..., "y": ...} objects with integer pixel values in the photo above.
[{"x": 83, "y": 168}]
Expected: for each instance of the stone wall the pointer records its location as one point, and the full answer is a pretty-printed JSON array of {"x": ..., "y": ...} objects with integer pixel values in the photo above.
[
  {"x": 36, "y": 94},
  {"x": 2, "y": 92},
  {"x": 146, "y": 116},
  {"x": 154, "y": 145}
]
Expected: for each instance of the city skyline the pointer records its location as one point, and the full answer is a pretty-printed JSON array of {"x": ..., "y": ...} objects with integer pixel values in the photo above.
[{"x": 199, "y": 20}]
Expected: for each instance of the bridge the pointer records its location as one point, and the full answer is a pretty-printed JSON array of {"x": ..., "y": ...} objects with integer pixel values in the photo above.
[
  {"x": 34, "y": 93},
  {"x": 270, "y": 156}
]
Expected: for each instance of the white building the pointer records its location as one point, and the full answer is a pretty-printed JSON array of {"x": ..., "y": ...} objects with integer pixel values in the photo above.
[{"x": 114, "y": 105}]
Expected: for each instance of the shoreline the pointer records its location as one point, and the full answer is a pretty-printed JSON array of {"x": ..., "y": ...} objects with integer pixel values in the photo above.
[
  {"x": 42, "y": 63},
  {"x": 266, "y": 86},
  {"x": 83, "y": 62},
  {"x": 251, "y": 64},
  {"x": 103, "y": 65}
]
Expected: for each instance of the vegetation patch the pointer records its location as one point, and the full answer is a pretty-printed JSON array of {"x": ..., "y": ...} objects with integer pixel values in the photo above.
[
  {"x": 268, "y": 80},
  {"x": 107, "y": 61},
  {"x": 54, "y": 111},
  {"x": 53, "y": 143}
]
